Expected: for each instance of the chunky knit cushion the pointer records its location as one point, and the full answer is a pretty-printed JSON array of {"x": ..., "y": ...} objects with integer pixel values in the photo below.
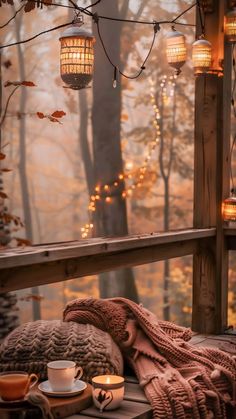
[{"x": 30, "y": 346}]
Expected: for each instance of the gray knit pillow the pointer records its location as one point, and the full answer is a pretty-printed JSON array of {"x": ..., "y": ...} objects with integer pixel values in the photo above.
[{"x": 30, "y": 346}]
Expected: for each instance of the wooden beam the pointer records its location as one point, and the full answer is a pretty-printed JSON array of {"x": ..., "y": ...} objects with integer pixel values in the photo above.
[
  {"x": 211, "y": 184},
  {"x": 17, "y": 257},
  {"x": 60, "y": 264}
]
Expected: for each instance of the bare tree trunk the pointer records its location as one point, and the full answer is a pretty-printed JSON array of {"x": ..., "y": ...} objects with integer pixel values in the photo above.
[
  {"x": 85, "y": 150},
  {"x": 166, "y": 273},
  {"x": 22, "y": 162},
  {"x": 165, "y": 170},
  {"x": 84, "y": 145},
  {"x": 108, "y": 163}
]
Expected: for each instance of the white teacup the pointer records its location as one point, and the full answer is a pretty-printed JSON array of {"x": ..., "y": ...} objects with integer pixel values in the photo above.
[{"x": 63, "y": 374}]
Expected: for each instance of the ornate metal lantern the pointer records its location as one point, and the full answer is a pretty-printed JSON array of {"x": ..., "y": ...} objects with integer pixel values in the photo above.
[
  {"x": 176, "y": 49},
  {"x": 229, "y": 208},
  {"x": 201, "y": 56},
  {"x": 77, "y": 56},
  {"x": 230, "y": 26}
]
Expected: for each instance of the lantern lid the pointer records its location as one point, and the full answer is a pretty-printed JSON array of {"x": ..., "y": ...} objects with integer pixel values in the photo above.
[
  {"x": 174, "y": 34},
  {"x": 76, "y": 30},
  {"x": 202, "y": 42},
  {"x": 230, "y": 200}
]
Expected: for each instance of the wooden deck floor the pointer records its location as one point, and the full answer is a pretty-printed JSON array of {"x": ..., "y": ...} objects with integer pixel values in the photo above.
[
  {"x": 135, "y": 405},
  {"x": 226, "y": 342}
]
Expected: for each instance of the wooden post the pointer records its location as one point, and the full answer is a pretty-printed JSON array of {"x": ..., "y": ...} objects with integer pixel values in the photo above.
[{"x": 211, "y": 184}]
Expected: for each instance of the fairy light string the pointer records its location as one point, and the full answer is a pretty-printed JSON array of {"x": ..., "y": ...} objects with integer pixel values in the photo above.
[{"x": 127, "y": 182}]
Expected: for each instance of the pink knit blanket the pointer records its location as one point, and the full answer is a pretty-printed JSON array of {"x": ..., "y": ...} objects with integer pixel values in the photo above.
[{"x": 180, "y": 380}]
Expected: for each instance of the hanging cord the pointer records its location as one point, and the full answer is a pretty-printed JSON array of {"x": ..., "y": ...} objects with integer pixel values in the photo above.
[
  {"x": 13, "y": 17},
  {"x": 95, "y": 16},
  {"x": 92, "y": 5},
  {"x": 234, "y": 113},
  {"x": 183, "y": 13},
  {"x": 37, "y": 35},
  {"x": 201, "y": 17},
  {"x": 156, "y": 28}
]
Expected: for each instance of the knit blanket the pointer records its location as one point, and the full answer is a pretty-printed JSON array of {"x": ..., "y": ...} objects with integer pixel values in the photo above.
[
  {"x": 32, "y": 345},
  {"x": 180, "y": 380}
]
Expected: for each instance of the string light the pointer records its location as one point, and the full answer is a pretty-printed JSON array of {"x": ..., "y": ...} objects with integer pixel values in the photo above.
[
  {"x": 77, "y": 46},
  {"x": 134, "y": 178}
]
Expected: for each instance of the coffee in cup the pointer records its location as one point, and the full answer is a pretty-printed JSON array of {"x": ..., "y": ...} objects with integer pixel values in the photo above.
[
  {"x": 14, "y": 385},
  {"x": 62, "y": 374}
]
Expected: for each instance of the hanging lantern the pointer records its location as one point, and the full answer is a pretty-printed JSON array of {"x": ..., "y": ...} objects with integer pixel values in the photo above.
[
  {"x": 229, "y": 208},
  {"x": 176, "y": 49},
  {"x": 77, "y": 56},
  {"x": 230, "y": 26},
  {"x": 201, "y": 56}
]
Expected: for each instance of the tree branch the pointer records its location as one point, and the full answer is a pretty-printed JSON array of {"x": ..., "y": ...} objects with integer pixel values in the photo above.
[
  {"x": 7, "y": 104},
  {"x": 13, "y": 17}
]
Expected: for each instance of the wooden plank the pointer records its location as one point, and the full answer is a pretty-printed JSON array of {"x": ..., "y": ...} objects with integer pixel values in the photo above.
[
  {"x": 62, "y": 270},
  {"x": 223, "y": 186},
  {"x": 127, "y": 410},
  {"x": 135, "y": 393},
  {"x": 79, "y": 416},
  {"x": 210, "y": 263},
  {"x": 135, "y": 398},
  {"x": 226, "y": 343},
  {"x": 48, "y": 253},
  {"x": 131, "y": 379}
]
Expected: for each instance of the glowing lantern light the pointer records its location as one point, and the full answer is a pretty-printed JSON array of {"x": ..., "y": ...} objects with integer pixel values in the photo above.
[
  {"x": 230, "y": 26},
  {"x": 77, "y": 55},
  {"x": 201, "y": 56},
  {"x": 229, "y": 208},
  {"x": 176, "y": 49}
]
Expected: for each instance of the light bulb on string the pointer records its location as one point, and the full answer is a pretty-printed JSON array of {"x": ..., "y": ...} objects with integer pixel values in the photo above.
[{"x": 140, "y": 173}]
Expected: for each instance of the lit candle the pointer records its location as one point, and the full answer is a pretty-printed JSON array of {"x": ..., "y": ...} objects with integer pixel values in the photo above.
[{"x": 108, "y": 391}]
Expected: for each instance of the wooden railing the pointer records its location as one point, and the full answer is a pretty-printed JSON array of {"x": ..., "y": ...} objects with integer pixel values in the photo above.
[{"x": 44, "y": 264}]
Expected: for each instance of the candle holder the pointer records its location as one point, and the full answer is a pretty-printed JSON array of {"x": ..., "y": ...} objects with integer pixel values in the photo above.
[{"x": 108, "y": 391}]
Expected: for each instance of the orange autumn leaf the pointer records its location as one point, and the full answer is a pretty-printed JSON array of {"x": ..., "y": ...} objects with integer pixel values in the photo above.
[
  {"x": 7, "y": 63},
  {"x": 22, "y": 242},
  {"x": 28, "y": 83},
  {"x": 30, "y": 5},
  {"x": 3, "y": 195},
  {"x": 58, "y": 114},
  {"x": 124, "y": 117},
  {"x": 53, "y": 117},
  {"x": 40, "y": 115},
  {"x": 19, "y": 83}
]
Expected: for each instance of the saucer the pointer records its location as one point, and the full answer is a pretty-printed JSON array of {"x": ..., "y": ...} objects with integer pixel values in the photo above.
[
  {"x": 78, "y": 387},
  {"x": 13, "y": 402}
]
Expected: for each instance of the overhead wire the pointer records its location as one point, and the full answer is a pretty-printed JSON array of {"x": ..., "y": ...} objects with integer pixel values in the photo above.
[{"x": 94, "y": 16}]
